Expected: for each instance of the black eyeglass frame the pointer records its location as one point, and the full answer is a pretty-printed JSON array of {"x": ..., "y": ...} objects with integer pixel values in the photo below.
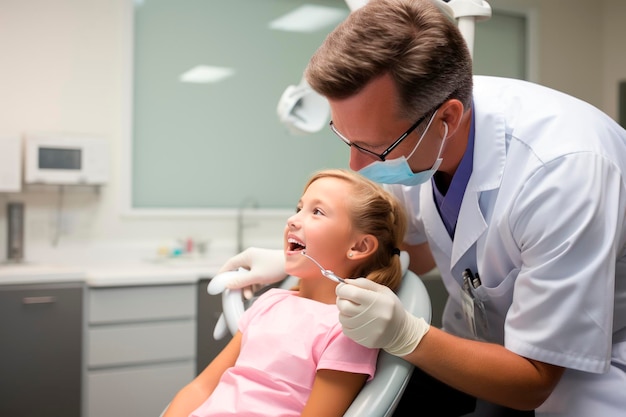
[{"x": 382, "y": 156}]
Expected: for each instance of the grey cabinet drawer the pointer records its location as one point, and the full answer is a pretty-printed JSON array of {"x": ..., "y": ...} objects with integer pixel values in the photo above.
[
  {"x": 137, "y": 391},
  {"x": 140, "y": 348},
  {"x": 141, "y": 343},
  {"x": 41, "y": 338},
  {"x": 148, "y": 303}
]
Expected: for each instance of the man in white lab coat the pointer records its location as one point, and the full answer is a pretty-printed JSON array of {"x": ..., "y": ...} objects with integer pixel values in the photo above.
[{"x": 515, "y": 191}]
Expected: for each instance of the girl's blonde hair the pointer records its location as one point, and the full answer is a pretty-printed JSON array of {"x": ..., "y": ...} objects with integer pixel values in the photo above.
[{"x": 374, "y": 211}]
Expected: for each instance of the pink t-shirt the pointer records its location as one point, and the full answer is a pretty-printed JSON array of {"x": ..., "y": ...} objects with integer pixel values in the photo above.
[{"x": 286, "y": 339}]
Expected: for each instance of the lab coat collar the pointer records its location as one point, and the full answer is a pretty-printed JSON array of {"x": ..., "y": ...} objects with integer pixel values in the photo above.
[{"x": 489, "y": 160}]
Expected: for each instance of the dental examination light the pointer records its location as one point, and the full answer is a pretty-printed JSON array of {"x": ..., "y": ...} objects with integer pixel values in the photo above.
[
  {"x": 304, "y": 111},
  {"x": 300, "y": 108}
]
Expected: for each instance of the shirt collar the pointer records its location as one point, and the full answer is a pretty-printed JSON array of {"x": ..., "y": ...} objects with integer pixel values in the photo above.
[{"x": 449, "y": 205}]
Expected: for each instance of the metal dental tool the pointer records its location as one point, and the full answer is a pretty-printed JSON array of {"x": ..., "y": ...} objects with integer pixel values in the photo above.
[{"x": 326, "y": 272}]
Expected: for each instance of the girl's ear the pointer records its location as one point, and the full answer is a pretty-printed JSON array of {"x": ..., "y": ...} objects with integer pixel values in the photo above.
[{"x": 363, "y": 247}]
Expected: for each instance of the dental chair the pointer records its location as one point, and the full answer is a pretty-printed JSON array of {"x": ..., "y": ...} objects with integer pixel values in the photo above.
[{"x": 380, "y": 396}]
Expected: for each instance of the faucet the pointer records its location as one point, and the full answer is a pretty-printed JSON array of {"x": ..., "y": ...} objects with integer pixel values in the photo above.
[{"x": 250, "y": 202}]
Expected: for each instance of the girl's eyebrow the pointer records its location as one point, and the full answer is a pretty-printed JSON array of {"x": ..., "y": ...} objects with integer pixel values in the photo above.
[{"x": 315, "y": 201}]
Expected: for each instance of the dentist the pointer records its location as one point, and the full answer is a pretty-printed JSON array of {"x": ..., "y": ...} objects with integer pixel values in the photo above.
[{"x": 516, "y": 192}]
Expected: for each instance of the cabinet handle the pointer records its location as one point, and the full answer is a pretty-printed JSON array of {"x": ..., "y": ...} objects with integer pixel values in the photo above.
[{"x": 39, "y": 300}]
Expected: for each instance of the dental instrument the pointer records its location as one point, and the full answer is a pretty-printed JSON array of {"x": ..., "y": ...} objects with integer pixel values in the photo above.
[{"x": 326, "y": 272}]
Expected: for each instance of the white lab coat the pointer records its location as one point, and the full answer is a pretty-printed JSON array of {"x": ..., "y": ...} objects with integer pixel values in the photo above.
[{"x": 543, "y": 222}]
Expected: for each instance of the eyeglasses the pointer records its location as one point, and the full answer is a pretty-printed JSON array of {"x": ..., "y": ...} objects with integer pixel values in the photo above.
[{"x": 383, "y": 155}]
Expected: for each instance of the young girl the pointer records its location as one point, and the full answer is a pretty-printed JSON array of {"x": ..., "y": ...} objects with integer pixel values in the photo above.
[{"x": 290, "y": 357}]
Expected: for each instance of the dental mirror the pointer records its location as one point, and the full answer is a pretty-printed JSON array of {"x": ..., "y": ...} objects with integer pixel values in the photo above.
[{"x": 326, "y": 272}]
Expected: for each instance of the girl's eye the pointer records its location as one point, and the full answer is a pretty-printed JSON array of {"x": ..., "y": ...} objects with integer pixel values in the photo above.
[
  {"x": 317, "y": 211},
  {"x": 298, "y": 209}
]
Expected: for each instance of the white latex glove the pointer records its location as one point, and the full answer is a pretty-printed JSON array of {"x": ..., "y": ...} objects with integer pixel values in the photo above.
[
  {"x": 264, "y": 266},
  {"x": 373, "y": 316}
]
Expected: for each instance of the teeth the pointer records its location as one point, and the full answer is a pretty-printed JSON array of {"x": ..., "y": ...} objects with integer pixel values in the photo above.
[{"x": 296, "y": 244}]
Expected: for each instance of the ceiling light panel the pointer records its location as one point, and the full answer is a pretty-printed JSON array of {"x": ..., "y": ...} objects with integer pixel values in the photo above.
[
  {"x": 309, "y": 18},
  {"x": 204, "y": 74}
]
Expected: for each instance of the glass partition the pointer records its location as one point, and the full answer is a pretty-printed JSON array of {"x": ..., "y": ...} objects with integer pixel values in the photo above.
[{"x": 207, "y": 77}]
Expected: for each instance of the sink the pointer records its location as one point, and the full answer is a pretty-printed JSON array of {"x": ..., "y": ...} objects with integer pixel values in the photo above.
[{"x": 183, "y": 262}]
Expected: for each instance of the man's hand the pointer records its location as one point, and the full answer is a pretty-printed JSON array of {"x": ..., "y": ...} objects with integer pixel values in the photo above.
[
  {"x": 252, "y": 266},
  {"x": 373, "y": 316}
]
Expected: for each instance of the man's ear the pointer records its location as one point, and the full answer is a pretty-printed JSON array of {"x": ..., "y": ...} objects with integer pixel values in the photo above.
[
  {"x": 364, "y": 246},
  {"x": 451, "y": 112}
]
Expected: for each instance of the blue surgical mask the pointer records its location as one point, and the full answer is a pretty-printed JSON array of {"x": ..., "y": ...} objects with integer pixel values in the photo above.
[{"x": 398, "y": 171}]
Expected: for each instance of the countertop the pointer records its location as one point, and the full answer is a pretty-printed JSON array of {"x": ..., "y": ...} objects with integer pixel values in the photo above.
[{"x": 108, "y": 274}]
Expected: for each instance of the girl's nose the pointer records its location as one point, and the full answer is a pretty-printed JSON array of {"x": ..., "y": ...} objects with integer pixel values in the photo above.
[{"x": 292, "y": 221}]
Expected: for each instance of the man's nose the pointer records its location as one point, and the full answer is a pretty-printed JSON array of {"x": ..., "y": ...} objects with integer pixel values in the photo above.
[{"x": 358, "y": 159}]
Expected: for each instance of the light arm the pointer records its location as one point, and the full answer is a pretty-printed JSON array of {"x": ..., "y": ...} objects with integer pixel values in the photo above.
[{"x": 466, "y": 13}]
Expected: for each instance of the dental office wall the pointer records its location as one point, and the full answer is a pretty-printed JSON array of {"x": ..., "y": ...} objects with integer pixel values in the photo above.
[{"x": 64, "y": 67}]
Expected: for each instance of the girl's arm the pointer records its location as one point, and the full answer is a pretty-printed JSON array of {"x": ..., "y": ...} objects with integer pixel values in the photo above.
[
  {"x": 332, "y": 393},
  {"x": 197, "y": 391}
]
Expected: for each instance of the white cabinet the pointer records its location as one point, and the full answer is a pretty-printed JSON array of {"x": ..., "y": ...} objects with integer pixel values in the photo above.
[{"x": 141, "y": 344}]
